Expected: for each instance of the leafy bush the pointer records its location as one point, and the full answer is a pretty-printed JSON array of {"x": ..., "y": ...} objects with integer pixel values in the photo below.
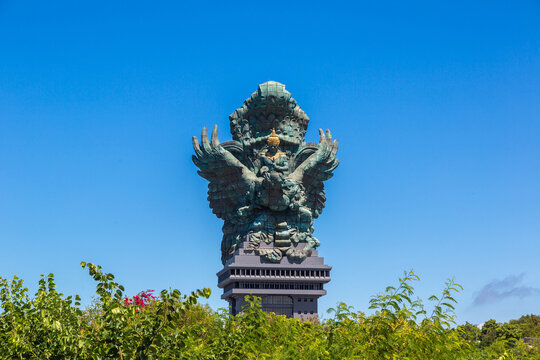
[
  {"x": 50, "y": 325},
  {"x": 529, "y": 325}
]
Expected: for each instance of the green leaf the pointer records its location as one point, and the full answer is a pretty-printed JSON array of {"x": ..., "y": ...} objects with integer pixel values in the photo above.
[{"x": 448, "y": 305}]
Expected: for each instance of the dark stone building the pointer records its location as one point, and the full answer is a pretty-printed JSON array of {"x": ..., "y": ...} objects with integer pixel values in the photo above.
[{"x": 287, "y": 288}]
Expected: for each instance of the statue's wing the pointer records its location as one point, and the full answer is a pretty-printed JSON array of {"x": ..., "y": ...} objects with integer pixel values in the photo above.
[
  {"x": 315, "y": 169},
  {"x": 231, "y": 182}
]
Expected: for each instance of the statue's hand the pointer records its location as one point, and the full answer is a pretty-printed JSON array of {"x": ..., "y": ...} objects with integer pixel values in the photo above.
[
  {"x": 327, "y": 149},
  {"x": 211, "y": 152},
  {"x": 323, "y": 159}
]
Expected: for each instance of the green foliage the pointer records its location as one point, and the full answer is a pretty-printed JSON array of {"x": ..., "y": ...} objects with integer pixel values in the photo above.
[
  {"x": 529, "y": 325},
  {"x": 469, "y": 332},
  {"x": 399, "y": 327},
  {"x": 50, "y": 325},
  {"x": 489, "y": 332}
]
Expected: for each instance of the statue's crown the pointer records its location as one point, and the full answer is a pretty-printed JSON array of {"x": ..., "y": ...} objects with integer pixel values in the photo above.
[
  {"x": 270, "y": 107},
  {"x": 273, "y": 139}
]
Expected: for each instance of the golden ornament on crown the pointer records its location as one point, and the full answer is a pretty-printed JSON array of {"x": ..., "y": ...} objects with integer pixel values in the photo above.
[{"x": 273, "y": 139}]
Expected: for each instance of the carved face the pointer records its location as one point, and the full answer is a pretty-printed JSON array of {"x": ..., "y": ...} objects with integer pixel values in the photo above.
[{"x": 272, "y": 149}]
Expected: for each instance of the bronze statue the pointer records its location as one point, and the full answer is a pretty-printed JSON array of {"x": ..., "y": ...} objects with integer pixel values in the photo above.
[{"x": 267, "y": 183}]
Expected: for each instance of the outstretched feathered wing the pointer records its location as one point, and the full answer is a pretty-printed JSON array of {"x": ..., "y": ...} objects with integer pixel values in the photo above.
[
  {"x": 231, "y": 183},
  {"x": 318, "y": 166}
]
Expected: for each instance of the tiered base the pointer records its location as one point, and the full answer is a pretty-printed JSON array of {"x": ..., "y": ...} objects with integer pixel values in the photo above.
[{"x": 286, "y": 288}]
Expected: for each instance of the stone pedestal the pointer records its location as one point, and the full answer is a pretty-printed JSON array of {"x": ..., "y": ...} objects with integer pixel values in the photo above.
[{"x": 286, "y": 288}]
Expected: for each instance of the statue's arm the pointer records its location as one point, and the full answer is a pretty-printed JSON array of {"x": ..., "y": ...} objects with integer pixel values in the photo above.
[{"x": 231, "y": 183}]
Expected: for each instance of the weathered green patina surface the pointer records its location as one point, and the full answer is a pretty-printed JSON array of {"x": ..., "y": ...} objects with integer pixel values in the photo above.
[{"x": 267, "y": 183}]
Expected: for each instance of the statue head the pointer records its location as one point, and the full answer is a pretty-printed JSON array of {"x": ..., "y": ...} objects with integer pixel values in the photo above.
[{"x": 270, "y": 107}]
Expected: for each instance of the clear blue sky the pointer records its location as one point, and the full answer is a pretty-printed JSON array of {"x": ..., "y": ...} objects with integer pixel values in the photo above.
[{"x": 435, "y": 104}]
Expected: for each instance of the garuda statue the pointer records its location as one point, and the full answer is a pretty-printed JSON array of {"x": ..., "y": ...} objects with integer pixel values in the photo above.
[{"x": 267, "y": 183}]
